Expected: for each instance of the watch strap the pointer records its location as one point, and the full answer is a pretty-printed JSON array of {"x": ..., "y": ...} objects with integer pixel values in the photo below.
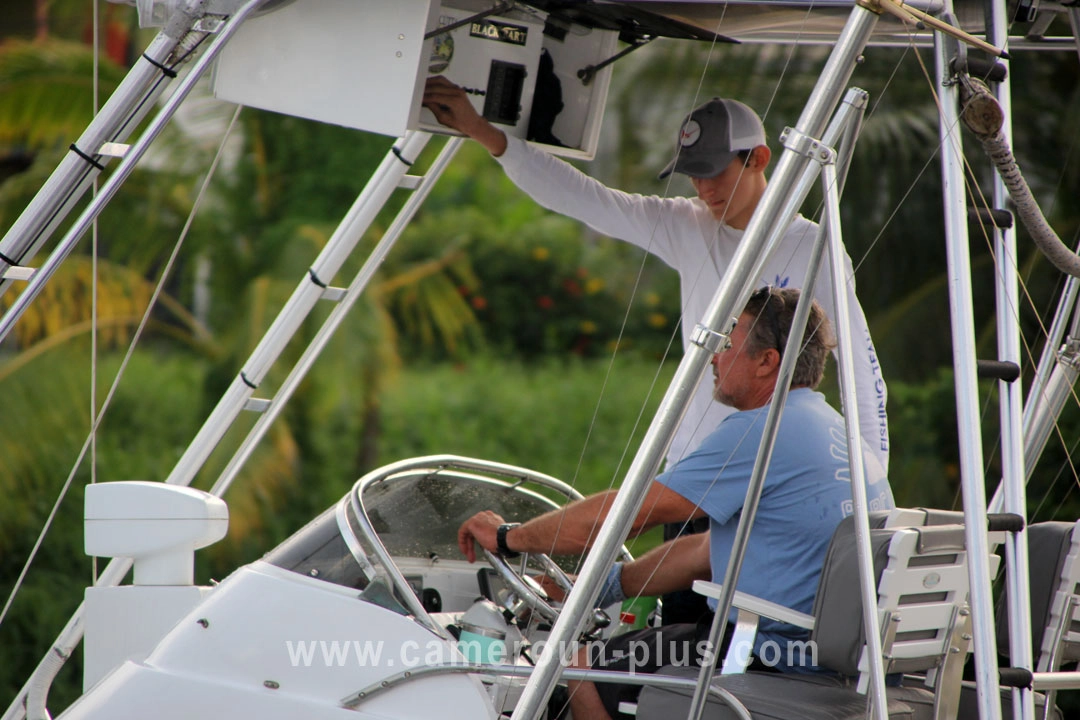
[{"x": 500, "y": 540}]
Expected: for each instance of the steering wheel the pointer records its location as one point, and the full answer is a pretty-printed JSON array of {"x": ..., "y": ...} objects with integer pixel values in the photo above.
[{"x": 527, "y": 590}]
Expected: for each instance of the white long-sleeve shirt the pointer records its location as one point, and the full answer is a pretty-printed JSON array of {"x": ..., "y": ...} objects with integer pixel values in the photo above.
[{"x": 683, "y": 233}]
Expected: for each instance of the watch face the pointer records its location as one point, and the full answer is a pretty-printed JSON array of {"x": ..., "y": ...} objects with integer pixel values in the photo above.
[{"x": 690, "y": 133}]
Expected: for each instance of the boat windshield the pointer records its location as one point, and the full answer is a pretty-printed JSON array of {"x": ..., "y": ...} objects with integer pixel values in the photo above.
[
  {"x": 418, "y": 514},
  {"x": 320, "y": 550},
  {"x": 413, "y": 514}
]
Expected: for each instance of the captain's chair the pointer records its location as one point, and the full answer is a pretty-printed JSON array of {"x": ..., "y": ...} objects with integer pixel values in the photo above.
[
  {"x": 1054, "y": 572},
  {"x": 923, "y": 613},
  {"x": 1054, "y": 565}
]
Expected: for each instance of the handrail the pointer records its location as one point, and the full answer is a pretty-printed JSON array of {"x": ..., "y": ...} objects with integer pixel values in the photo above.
[
  {"x": 457, "y": 462},
  {"x": 607, "y": 676}
]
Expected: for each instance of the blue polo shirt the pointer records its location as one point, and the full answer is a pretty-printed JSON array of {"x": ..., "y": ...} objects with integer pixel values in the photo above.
[{"x": 807, "y": 492}]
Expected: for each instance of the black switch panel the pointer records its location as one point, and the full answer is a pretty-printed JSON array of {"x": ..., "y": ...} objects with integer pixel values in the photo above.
[{"x": 502, "y": 102}]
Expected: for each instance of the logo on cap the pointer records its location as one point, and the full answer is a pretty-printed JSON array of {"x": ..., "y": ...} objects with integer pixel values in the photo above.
[{"x": 690, "y": 133}]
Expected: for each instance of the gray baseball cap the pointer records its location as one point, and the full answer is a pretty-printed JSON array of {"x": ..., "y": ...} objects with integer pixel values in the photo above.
[{"x": 712, "y": 135}]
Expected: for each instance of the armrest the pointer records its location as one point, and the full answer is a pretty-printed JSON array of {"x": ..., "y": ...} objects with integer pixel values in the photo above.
[{"x": 771, "y": 610}]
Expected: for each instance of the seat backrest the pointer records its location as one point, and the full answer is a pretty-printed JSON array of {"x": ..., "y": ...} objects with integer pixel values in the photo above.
[
  {"x": 922, "y": 582},
  {"x": 922, "y": 517},
  {"x": 925, "y": 517},
  {"x": 1054, "y": 572}
]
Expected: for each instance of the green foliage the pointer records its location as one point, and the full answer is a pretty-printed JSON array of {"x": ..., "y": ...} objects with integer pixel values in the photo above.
[
  {"x": 46, "y": 91},
  {"x": 138, "y": 441},
  {"x": 924, "y": 468},
  {"x": 298, "y": 170},
  {"x": 540, "y": 284},
  {"x": 571, "y": 419}
]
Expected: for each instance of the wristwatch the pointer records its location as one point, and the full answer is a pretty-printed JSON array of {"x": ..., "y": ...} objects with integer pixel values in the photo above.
[{"x": 500, "y": 540}]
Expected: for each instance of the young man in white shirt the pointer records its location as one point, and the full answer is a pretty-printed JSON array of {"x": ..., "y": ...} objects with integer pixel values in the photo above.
[{"x": 722, "y": 148}]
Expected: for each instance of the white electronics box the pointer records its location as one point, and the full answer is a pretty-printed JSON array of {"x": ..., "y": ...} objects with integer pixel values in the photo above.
[{"x": 363, "y": 65}]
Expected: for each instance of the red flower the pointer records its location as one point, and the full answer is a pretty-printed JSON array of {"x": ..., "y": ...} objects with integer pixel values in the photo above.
[
  {"x": 544, "y": 302},
  {"x": 479, "y": 302}
]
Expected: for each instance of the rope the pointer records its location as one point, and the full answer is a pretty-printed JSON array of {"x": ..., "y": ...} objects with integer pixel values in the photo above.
[
  {"x": 983, "y": 116},
  {"x": 1064, "y": 259}
]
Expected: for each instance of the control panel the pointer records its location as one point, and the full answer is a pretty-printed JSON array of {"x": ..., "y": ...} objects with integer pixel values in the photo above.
[{"x": 364, "y": 65}]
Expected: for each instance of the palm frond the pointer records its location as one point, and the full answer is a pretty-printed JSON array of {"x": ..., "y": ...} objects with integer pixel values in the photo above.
[
  {"x": 46, "y": 92},
  {"x": 122, "y": 296}
]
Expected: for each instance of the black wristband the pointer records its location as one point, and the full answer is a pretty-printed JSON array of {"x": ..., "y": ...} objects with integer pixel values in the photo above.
[{"x": 500, "y": 540}]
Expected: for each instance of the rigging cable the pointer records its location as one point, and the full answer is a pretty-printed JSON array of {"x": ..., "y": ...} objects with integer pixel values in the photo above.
[
  {"x": 992, "y": 128},
  {"x": 159, "y": 288},
  {"x": 618, "y": 341},
  {"x": 94, "y": 280}
]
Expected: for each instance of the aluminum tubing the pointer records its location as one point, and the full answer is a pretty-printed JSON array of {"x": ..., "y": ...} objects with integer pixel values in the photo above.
[
  {"x": 867, "y": 584},
  {"x": 1014, "y": 477},
  {"x": 967, "y": 398},
  {"x": 348, "y": 233},
  {"x": 732, "y": 293},
  {"x": 128, "y": 104},
  {"x": 1049, "y": 403},
  {"x": 1049, "y": 359},
  {"x": 82, "y": 224}
]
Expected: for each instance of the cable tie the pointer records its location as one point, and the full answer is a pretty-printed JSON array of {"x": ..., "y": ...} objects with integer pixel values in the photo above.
[
  {"x": 315, "y": 278},
  {"x": 394, "y": 149},
  {"x": 165, "y": 70},
  {"x": 5, "y": 259},
  {"x": 247, "y": 382},
  {"x": 75, "y": 149}
]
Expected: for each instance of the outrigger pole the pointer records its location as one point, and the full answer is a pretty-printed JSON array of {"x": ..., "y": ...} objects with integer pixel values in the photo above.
[{"x": 1010, "y": 392}]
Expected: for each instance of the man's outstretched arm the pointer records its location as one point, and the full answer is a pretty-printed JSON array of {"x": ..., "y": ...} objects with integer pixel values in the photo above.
[
  {"x": 450, "y": 105},
  {"x": 675, "y": 565},
  {"x": 572, "y": 529}
]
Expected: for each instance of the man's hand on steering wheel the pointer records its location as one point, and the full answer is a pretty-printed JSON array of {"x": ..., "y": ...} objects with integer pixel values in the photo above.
[
  {"x": 527, "y": 592},
  {"x": 481, "y": 528}
]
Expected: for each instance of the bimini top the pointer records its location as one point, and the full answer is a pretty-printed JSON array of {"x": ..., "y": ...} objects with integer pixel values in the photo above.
[{"x": 779, "y": 21}]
